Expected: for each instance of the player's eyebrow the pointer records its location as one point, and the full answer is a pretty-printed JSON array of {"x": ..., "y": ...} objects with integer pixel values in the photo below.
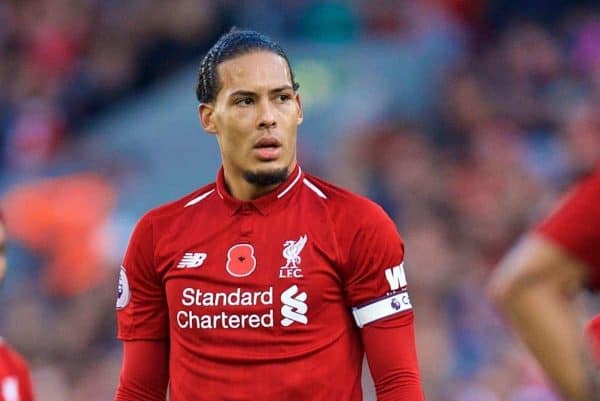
[
  {"x": 281, "y": 89},
  {"x": 254, "y": 94},
  {"x": 243, "y": 93}
]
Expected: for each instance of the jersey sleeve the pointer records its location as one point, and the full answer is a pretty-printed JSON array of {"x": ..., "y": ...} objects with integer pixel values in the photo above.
[
  {"x": 141, "y": 305},
  {"x": 395, "y": 369},
  {"x": 145, "y": 371},
  {"x": 376, "y": 288},
  {"x": 575, "y": 225},
  {"x": 375, "y": 281}
]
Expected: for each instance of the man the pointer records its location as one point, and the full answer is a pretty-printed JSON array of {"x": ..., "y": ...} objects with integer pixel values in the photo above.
[
  {"x": 269, "y": 284},
  {"x": 537, "y": 282},
  {"x": 15, "y": 382}
]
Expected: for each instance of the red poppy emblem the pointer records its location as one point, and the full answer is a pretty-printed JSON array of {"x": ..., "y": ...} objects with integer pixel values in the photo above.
[{"x": 240, "y": 260}]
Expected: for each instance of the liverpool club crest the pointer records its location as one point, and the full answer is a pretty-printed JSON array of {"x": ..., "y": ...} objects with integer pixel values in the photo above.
[{"x": 291, "y": 253}]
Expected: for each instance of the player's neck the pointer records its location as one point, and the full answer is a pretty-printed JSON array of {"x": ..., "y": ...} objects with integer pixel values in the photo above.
[{"x": 245, "y": 191}]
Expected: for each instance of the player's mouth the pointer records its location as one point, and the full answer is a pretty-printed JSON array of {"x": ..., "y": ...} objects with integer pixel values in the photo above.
[{"x": 267, "y": 149}]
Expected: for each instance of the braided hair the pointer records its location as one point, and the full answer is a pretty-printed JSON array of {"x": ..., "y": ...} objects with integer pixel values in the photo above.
[{"x": 230, "y": 45}]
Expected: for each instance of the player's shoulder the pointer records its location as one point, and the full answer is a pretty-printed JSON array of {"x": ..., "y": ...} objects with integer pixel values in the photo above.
[
  {"x": 344, "y": 203},
  {"x": 179, "y": 207}
]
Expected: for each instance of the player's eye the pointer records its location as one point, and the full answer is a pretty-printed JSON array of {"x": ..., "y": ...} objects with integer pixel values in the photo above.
[
  {"x": 245, "y": 101},
  {"x": 283, "y": 97}
]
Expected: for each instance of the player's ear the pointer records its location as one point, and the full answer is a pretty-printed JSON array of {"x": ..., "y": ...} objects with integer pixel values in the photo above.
[
  {"x": 206, "y": 114},
  {"x": 300, "y": 111}
]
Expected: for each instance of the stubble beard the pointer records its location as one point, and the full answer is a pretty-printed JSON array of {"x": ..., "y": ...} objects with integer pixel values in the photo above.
[{"x": 266, "y": 178}]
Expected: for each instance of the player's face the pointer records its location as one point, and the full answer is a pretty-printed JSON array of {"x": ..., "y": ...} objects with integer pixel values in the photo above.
[
  {"x": 255, "y": 115},
  {"x": 2, "y": 251}
]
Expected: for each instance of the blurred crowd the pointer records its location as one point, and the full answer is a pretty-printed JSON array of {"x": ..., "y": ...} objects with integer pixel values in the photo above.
[
  {"x": 63, "y": 61},
  {"x": 515, "y": 121}
]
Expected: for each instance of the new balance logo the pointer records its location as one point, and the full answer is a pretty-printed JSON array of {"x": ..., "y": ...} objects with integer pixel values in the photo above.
[
  {"x": 192, "y": 260},
  {"x": 396, "y": 277},
  {"x": 294, "y": 306}
]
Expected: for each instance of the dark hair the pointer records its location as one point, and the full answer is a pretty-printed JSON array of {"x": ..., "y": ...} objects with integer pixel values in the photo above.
[{"x": 230, "y": 45}]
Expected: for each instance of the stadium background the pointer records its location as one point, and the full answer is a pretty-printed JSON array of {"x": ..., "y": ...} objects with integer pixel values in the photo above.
[{"x": 464, "y": 119}]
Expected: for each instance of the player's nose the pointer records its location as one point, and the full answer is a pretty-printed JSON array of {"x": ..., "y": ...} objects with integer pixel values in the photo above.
[{"x": 266, "y": 115}]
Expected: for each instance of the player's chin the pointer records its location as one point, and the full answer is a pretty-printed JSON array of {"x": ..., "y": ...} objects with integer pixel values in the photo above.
[{"x": 267, "y": 175}]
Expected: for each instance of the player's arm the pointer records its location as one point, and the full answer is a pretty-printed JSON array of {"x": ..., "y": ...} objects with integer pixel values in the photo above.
[
  {"x": 536, "y": 285},
  {"x": 144, "y": 373},
  {"x": 392, "y": 357},
  {"x": 376, "y": 287},
  {"x": 142, "y": 317}
]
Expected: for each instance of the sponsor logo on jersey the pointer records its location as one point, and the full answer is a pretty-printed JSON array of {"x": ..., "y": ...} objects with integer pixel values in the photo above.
[
  {"x": 291, "y": 253},
  {"x": 206, "y": 309},
  {"x": 191, "y": 260},
  {"x": 294, "y": 306},
  {"x": 241, "y": 261},
  {"x": 10, "y": 389},
  {"x": 395, "y": 277},
  {"x": 239, "y": 308},
  {"x": 123, "y": 294}
]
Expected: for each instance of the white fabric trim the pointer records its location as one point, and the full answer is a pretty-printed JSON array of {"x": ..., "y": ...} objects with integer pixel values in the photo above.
[
  {"x": 314, "y": 188},
  {"x": 199, "y": 198},
  {"x": 285, "y": 191},
  {"x": 388, "y": 306}
]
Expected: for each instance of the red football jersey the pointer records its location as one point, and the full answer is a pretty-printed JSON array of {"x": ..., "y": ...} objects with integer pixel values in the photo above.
[
  {"x": 575, "y": 225},
  {"x": 15, "y": 383},
  {"x": 263, "y": 300}
]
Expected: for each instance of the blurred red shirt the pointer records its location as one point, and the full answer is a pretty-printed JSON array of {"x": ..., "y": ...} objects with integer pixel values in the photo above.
[
  {"x": 15, "y": 383},
  {"x": 575, "y": 225}
]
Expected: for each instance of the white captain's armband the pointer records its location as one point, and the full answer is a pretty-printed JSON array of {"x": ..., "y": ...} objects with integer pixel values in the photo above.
[{"x": 382, "y": 308}]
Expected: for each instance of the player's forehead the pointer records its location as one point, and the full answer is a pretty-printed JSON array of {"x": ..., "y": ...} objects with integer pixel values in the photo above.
[{"x": 256, "y": 71}]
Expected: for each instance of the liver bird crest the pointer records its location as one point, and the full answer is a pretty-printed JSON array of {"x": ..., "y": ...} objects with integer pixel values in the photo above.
[{"x": 291, "y": 252}]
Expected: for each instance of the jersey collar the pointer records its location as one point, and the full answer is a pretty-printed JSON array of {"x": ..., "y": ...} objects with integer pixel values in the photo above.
[{"x": 265, "y": 203}]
